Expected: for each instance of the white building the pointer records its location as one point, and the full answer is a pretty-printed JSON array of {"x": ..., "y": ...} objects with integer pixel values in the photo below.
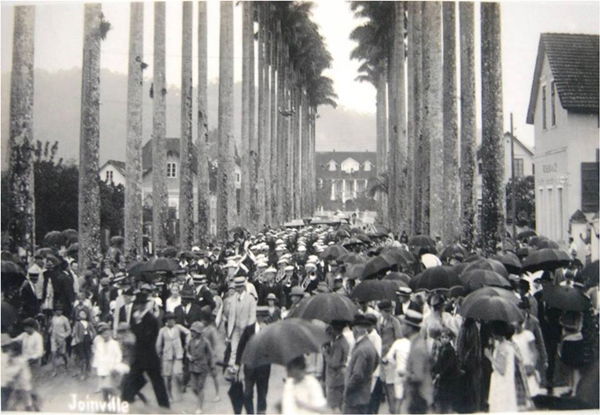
[
  {"x": 563, "y": 108},
  {"x": 113, "y": 171}
]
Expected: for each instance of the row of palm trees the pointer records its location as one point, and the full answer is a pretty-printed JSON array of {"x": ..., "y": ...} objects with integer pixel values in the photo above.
[
  {"x": 279, "y": 107},
  {"x": 408, "y": 53}
]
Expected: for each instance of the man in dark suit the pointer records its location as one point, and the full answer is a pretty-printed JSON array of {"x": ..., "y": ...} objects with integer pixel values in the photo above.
[
  {"x": 189, "y": 310},
  {"x": 203, "y": 293},
  {"x": 363, "y": 362},
  {"x": 258, "y": 376},
  {"x": 145, "y": 327},
  {"x": 30, "y": 305}
]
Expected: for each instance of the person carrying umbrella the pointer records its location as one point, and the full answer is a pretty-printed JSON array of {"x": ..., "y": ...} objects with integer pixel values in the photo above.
[
  {"x": 254, "y": 376},
  {"x": 363, "y": 362},
  {"x": 335, "y": 354}
]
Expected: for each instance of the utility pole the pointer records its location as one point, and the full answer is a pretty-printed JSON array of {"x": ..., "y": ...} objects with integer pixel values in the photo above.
[{"x": 512, "y": 178}]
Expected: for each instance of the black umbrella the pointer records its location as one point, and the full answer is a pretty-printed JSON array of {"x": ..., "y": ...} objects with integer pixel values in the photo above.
[
  {"x": 441, "y": 277},
  {"x": 376, "y": 265},
  {"x": 565, "y": 297},
  {"x": 421, "y": 241},
  {"x": 511, "y": 262},
  {"x": 162, "y": 265},
  {"x": 405, "y": 255},
  {"x": 355, "y": 271},
  {"x": 238, "y": 230},
  {"x": 374, "y": 290},
  {"x": 333, "y": 252},
  {"x": 589, "y": 274},
  {"x": 546, "y": 259},
  {"x": 283, "y": 341},
  {"x": 488, "y": 264},
  {"x": 473, "y": 257},
  {"x": 352, "y": 242},
  {"x": 398, "y": 276},
  {"x": 491, "y": 303},
  {"x": 236, "y": 396},
  {"x": 325, "y": 307},
  {"x": 169, "y": 252},
  {"x": 352, "y": 258},
  {"x": 478, "y": 278},
  {"x": 544, "y": 243},
  {"x": 453, "y": 251},
  {"x": 526, "y": 234},
  {"x": 137, "y": 268}
]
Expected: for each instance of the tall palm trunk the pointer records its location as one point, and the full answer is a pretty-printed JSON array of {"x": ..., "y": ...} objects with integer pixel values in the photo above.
[
  {"x": 419, "y": 168},
  {"x": 411, "y": 114},
  {"x": 401, "y": 144},
  {"x": 467, "y": 120},
  {"x": 133, "y": 179},
  {"x": 313, "y": 161},
  {"x": 281, "y": 153},
  {"x": 247, "y": 44},
  {"x": 274, "y": 161},
  {"x": 21, "y": 176},
  {"x": 432, "y": 117},
  {"x": 382, "y": 128},
  {"x": 186, "y": 145},
  {"x": 226, "y": 195},
  {"x": 392, "y": 144},
  {"x": 261, "y": 134},
  {"x": 202, "y": 141},
  {"x": 305, "y": 168},
  {"x": 89, "y": 191},
  {"x": 267, "y": 112},
  {"x": 450, "y": 178},
  {"x": 255, "y": 206},
  {"x": 297, "y": 154},
  {"x": 160, "y": 207},
  {"x": 492, "y": 148}
]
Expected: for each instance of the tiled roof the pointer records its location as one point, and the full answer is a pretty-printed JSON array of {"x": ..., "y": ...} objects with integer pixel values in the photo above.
[
  {"x": 119, "y": 165},
  {"x": 172, "y": 147},
  {"x": 573, "y": 60},
  {"x": 322, "y": 157}
]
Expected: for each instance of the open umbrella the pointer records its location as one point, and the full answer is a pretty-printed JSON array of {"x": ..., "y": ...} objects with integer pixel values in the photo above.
[
  {"x": 162, "y": 265},
  {"x": 477, "y": 278},
  {"x": 341, "y": 234},
  {"x": 544, "y": 243},
  {"x": 491, "y": 303},
  {"x": 589, "y": 274},
  {"x": 453, "y": 251},
  {"x": 473, "y": 257},
  {"x": 44, "y": 252},
  {"x": 488, "y": 264},
  {"x": 351, "y": 258},
  {"x": 565, "y": 297},
  {"x": 333, "y": 252},
  {"x": 546, "y": 259},
  {"x": 511, "y": 262},
  {"x": 325, "y": 307},
  {"x": 283, "y": 341},
  {"x": 421, "y": 241},
  {"x": 373, "y": 290},
  {"x": 238, "y": 230},
  {"x": 526, "y": 234},
  {"x": 355, "y": 271},
  {"x": 398, "y": 276},
  {"x": 137, "y": 268},
  {"x": 441, "y": 277},
  {"x": 408, "y": 257},
  {"x": 375, "y": 265}
]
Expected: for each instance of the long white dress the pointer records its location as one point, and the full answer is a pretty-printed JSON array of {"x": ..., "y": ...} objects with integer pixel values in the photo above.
[{"x": 503, "y": 392}]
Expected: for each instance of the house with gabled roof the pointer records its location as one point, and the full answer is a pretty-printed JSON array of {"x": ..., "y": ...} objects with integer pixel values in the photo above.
[
  {"x": 563, "y": 108},
  {"x": 113, "y": 172}
]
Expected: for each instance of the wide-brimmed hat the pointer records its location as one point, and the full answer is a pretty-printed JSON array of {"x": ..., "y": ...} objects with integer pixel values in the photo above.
[
  {"x": 273, "y": 297},
  {"x": 270, "y": 270},
  {"x": 102, "y": 327},
  {"x": 239, "y": 281},
  {"x": 297, "y": 290},
  {"x": 403, "y": 291},
  {"x": 310, "y": 265},
  {"x": 289, "y": 268},
  {"x": 360, "y": 320},
  {"x": 412, "y": 318},
  {"x": 199, "y": 278}
]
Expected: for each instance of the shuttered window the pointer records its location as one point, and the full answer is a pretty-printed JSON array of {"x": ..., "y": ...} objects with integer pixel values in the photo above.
[{"x": 589, "y": 187}]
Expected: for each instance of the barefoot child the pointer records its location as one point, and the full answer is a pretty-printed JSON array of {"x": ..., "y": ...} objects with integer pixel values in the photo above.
[{"x": 60, "y": 329}]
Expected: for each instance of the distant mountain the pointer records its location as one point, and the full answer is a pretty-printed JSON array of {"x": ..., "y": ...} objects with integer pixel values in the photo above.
[{"x": 57, "y": 111}]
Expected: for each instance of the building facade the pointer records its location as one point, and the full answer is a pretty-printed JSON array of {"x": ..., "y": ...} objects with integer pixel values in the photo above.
[
  {"x": 343, "y": 181},
  {"x": 563, "y": 109},
  {"x": 113, "y": 172}
]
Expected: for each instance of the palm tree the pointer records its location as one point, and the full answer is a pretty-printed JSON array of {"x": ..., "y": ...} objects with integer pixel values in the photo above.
[
  {"x": 263, "y": 137},
  {"x": 432, "y": 118},
  {"x": 94, "y": 29},
  {"x": 160, "y": 207},
  {"x": 226, "y": 196},
  {"x": 271, "y": 209},
  {"x": 492, "y": 149},
  {"x": 186, "y": 145},
  {"x": 450, "y": 177},
  {"x": 247, "y": 83},
  {"x": 400, "y": 96},
  {"x": 202, "y": 141},
  {"x": 133, "y": 179},
  {"x": 467, "y": 120},
  {"x": 20, "y": 173}
]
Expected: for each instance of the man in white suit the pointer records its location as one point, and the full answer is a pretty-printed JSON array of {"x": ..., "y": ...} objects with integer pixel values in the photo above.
[{"x": 242, "y": 313}]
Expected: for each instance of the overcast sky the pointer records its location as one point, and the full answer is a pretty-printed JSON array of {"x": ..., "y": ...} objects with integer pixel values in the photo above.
[{"x": 59, "y": 27}]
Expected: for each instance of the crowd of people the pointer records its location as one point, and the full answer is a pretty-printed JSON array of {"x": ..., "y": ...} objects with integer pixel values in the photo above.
[{"x": 162, "y": 320}]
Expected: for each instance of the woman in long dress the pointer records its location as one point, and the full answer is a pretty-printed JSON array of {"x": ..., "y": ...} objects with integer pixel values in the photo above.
[{"x": 508, "y": 383}]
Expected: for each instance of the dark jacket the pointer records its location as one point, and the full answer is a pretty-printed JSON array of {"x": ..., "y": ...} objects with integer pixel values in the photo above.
[
  {"x": 363, "y": 363},
  {"x": 146, "y": 332},
  {"x": 247, "y": 334},
  {"x": 205, "y": 298},
  {"x": 186, "y": 319},
  {"x": 30, "y": 305}
]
